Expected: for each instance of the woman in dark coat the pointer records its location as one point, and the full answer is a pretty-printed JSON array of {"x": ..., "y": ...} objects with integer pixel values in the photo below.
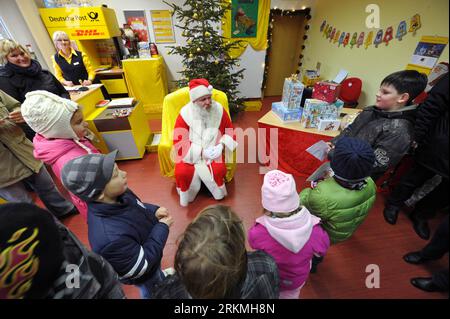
[{"x": 19, "y": 74}]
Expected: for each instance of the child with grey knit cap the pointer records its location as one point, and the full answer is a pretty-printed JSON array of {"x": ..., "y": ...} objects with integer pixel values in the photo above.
[{"x": 128, "y": 233}]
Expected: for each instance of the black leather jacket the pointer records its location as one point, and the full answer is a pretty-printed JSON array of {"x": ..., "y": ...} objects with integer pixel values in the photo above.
[{"x": 390, "y": 134}]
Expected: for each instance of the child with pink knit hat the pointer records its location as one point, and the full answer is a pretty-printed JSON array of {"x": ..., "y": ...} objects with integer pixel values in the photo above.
[
  {"x": 288, "y": 232},
  {"x": 61, "y": 133}
]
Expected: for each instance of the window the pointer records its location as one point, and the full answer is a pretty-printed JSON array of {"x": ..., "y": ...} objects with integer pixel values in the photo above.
[{"x": 4, "y": 32}]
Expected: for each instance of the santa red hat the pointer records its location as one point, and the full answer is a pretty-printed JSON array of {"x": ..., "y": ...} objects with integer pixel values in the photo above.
[{"x": 199, "y": 88}]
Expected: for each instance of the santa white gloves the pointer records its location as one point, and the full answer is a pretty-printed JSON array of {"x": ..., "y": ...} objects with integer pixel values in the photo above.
[{"x": 212, "y": 152}]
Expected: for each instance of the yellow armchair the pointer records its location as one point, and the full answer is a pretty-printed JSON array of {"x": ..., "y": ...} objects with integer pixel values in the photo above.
[{"x": 172, "y": 105}]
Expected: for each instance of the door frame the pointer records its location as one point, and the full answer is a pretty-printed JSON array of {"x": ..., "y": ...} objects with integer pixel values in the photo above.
[{"x": 283, "y": 12}]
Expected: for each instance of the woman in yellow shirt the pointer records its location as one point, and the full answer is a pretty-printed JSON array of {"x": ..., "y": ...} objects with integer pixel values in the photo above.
[{"x": 72, "y": 67}]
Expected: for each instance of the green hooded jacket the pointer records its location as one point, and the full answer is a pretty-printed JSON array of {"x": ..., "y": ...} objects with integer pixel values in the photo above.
[{"x": 342, "y": 210}]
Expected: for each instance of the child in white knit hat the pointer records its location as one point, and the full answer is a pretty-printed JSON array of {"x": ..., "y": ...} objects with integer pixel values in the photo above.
[
  {"x": 288, "y": 232},
  {"x": 61, "y": 133}
]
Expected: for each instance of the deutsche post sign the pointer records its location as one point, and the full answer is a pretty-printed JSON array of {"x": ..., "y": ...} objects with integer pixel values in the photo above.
[{"x": 81, "y": 23}]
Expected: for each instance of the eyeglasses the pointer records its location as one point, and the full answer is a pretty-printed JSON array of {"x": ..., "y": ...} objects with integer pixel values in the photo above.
[{"x": 63, "y": 40}]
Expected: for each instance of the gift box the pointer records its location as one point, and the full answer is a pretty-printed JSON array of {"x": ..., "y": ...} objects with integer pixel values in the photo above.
[
  {"x": 292, "y": 93},
  {"x": 285, "y": 114},
  {"x": 316, "y": 110},
  {"x": 326, "y": 91},
  {"x": 328, "y": 125}
]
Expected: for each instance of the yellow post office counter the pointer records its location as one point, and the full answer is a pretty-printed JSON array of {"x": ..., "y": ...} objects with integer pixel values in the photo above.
[
  {"x": 128, "y": 135},
  {"x": 147, "y": 82},
  {"x": 88, "y": 99},
  {"x": 114, "y": 81}
]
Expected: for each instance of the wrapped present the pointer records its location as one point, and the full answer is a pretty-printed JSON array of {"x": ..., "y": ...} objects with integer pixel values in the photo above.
[
  {"x": 328, "y": 125},
  {"x": 316, "y": 110},
  {"x": 326, "y": 91},
  {"x": 285, "y": 114},
  {"x": 292, "y": 92}
]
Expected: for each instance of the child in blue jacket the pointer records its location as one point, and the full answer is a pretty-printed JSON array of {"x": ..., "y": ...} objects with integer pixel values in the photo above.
[{"x": 129, "y": 234}]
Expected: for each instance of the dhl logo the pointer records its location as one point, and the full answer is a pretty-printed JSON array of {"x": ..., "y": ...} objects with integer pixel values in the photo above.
[{"x": 88, "y": 32}]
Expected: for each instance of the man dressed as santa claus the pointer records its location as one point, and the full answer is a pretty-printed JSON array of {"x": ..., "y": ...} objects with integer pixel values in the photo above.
[{"x": 202, "y": 131}]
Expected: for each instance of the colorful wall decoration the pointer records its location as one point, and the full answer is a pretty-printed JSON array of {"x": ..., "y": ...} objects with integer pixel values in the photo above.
[
  {"x": 427, "y": 53},
  {"x": 375, "y": 38},
  {"x": 245, "y": 18},
  {"x": 257, "y": 43},
  {"x": 137, "y": 21}
]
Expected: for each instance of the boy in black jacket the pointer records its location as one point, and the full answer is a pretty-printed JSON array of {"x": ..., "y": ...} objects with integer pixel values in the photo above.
[
  {"x": 431, "y": 157},
  {"x": 129, "y": 234},
  {"x": 388, "y": 125}
]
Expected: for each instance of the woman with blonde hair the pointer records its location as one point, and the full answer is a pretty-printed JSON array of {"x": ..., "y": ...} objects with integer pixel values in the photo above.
[
  {"x": 20, "y": 74},
  {"x": 72, "y": 67},
  {"x": 212, "y": 262}
]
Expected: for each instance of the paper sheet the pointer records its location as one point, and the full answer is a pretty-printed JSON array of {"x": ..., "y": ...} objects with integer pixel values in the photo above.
[
  {"x": 156, "y": 139},
  {"x": 126, "y": 101},
  {"x": 340, "y": 76},
  {"x": 319, "y": 150},
  {"x": 319, "y": 173},
  {"x": 76, "y": 87}
]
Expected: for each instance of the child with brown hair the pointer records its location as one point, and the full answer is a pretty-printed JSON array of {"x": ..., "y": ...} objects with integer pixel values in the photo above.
[
  {"x": 212, "y": 262},
  {"x": 388, "y": 126},
  {"x": 128, "y": 233}
]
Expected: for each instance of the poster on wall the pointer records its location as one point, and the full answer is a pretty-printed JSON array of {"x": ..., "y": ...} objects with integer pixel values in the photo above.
[
  {"x": 137, "y": 21},
  {"x": 427, "y": 53},
  {"x": 162, "y": 26},
  {"x": 244, "y": 19}
]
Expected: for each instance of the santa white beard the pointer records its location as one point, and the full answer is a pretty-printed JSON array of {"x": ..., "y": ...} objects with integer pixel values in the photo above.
[
  {"x": 202, "y": 115},
  {"x": 205, "y": 123}
]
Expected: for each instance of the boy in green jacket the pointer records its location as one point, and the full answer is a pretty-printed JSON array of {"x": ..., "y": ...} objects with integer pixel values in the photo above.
[{"x": 343, "y": 201}]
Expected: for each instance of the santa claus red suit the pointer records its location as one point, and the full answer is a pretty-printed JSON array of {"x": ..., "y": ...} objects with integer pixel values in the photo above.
[{"x": 203, "y": 130}]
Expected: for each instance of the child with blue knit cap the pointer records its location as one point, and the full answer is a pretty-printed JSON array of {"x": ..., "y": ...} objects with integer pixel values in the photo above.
[{"x": 343, "y": 201}]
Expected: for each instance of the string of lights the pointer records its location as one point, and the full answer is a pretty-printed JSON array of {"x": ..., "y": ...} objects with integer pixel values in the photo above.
[{"x": 283, "y": 12}]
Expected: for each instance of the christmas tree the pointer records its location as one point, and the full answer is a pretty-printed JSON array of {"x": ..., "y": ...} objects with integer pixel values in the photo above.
[{"x": 205, "y": 54}]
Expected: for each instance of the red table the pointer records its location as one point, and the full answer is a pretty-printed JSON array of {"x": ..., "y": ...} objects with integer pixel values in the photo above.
[{"x": 293, "y": 140}]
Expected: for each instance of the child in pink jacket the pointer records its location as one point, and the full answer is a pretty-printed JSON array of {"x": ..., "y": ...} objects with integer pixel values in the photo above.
[
  {"x": 61, "y": 133},
  {"x": 287, "y": 232}
]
